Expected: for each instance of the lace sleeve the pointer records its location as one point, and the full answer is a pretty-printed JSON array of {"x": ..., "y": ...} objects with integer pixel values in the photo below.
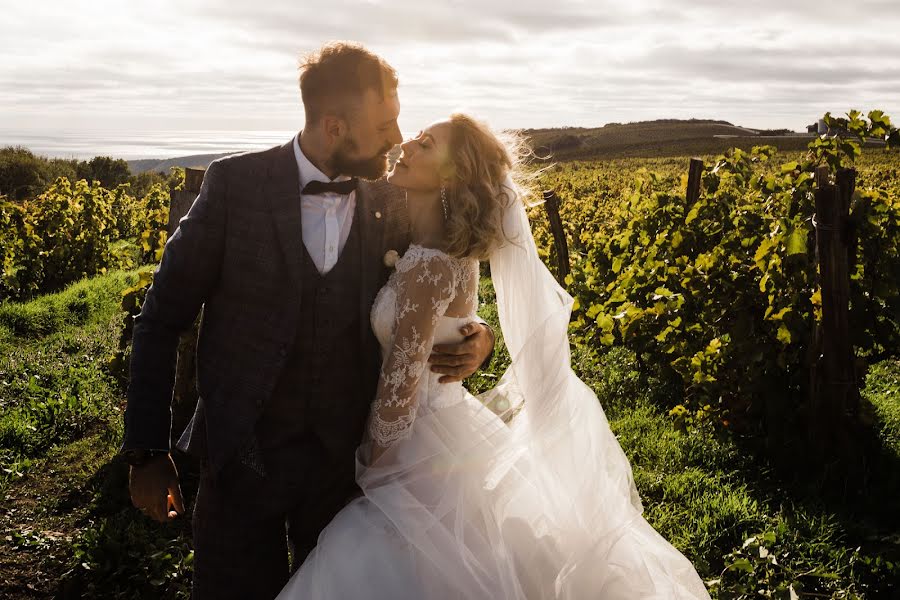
[{"x": 425, "y": 289}]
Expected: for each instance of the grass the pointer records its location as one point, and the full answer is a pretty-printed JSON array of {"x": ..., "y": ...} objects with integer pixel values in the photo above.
[
  {"x": 54, "y": 383},
  {"x": 69, "y": 530},
  {"x": 882, "y": 390}
]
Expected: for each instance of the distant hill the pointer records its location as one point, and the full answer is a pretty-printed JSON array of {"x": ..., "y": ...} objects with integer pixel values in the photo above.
[
  {"x": 154, "y": 164},
  {"x": 664, "y": 137}
]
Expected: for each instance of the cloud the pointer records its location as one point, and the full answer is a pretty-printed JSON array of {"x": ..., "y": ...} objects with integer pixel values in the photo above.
[{"x": 518, "y": 63}]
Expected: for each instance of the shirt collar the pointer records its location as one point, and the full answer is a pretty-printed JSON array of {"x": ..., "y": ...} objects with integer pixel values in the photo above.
[{"x": 308, "y": 171}]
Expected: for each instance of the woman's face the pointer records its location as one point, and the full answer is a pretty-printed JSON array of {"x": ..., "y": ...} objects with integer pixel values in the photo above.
[{"x": 423, "y": 159}]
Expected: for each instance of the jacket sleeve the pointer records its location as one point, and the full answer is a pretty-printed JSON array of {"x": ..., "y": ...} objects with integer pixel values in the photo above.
[
  {"x": 182, "y": 282},
  {"x": 423, "y": 295}
]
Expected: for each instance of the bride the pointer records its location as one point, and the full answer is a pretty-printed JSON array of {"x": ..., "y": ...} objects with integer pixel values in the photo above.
[{"x": 522, "y": 492}]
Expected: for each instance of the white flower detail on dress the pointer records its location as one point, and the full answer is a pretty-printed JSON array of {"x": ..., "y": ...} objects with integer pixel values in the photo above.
[{"x": 425, "y": 284}]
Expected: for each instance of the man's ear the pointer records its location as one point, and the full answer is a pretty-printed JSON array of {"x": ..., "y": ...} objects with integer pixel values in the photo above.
[{"x": 335, "y": 127}]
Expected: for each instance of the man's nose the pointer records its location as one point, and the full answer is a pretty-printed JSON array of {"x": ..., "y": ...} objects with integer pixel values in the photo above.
[{"x": 396, "y": 136}]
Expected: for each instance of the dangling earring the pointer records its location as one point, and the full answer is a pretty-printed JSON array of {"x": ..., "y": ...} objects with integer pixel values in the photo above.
[{"x": 444, "y": 203}]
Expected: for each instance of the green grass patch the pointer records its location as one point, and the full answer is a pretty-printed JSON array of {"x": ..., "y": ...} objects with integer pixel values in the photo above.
[
  {"x": 882, "y": 389},
  {"x": 84, "y": 303},
  {"x": 55, "y": 385}
]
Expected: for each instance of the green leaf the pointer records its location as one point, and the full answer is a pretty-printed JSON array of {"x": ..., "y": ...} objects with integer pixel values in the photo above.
[
  {"x": 604, "y": 322},
  {"x": 762, "y": 252},
  {"x": 692, "y": 214},
  {"x": 779, "y": 315},
  {"x": 617, "y": 296},
  {"x": 877, "y": 116},
  {"x": 784, "y": 334},
  {"x": 616, "y": 264},
  {"x": 741, "y": 564},
  {"x": 661, "y": 292},
  {"x": 796, "y": 241}
]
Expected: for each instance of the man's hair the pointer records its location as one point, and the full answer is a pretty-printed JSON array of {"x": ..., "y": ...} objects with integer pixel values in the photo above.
[{"x": 338, "y": 74}]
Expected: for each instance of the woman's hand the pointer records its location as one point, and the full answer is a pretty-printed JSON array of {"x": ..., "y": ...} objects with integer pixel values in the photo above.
[{"x": 458, "y": 361}]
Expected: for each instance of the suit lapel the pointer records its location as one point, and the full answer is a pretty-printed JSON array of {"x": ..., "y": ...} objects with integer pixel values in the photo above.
[
  {"x": 282, "y": 191},
  {"x": 371, "y": 214}
]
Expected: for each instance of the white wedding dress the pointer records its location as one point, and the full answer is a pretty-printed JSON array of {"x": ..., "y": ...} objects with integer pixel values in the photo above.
[{"x": 463, "y": 504}]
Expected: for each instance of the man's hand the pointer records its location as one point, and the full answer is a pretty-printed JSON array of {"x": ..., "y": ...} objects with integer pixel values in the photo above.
[
  {"x": 458, "y": 361},
  {"x": 154, "y": 488}
]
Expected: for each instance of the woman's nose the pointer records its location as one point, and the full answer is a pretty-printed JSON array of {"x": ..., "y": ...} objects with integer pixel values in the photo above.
[{"x": 407, "y": 147}]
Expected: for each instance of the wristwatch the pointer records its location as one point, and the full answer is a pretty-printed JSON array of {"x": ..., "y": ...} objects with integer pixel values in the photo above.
[{"x": 138, "y": 456}]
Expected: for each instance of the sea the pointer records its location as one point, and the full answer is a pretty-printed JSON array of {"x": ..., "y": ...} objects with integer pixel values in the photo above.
[{"x": 133, "y": 145}]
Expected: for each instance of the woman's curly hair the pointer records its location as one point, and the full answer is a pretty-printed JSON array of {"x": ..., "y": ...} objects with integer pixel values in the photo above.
[{"x": 479, "y": 162}]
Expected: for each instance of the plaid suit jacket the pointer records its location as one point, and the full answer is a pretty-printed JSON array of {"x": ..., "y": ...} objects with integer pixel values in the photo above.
[{"x": 237, "y": 255}]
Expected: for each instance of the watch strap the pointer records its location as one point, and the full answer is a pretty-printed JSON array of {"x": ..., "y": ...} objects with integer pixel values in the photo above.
[{"x": 138, "y": 456}]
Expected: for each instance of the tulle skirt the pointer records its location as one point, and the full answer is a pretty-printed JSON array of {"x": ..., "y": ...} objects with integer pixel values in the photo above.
[{"x": 472, "y": 507}]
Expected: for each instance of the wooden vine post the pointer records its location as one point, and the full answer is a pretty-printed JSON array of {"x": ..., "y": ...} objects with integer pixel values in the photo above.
[
  {"x": 695, "y": 172},
  {"x": 834, "y": 389},
  {"x": 551, "y": 205},
  {"x": 183, "y": 199}
]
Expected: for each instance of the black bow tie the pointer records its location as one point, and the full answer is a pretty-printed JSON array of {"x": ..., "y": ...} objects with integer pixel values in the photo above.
[{"x": 314, "y": 188}]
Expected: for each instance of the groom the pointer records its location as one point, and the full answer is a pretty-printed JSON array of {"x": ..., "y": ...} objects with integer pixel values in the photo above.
[{"x": 284, "y": 251}]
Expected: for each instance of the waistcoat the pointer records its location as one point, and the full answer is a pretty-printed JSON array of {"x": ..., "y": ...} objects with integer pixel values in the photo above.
[{"x": 319, "y": 391}]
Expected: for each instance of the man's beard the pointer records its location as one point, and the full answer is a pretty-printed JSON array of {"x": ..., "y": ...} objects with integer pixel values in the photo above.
[{"x": 367, "y": 168}]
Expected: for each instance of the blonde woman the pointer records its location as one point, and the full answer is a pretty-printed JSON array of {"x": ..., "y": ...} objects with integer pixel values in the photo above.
[{"x": 522, "y": 493}]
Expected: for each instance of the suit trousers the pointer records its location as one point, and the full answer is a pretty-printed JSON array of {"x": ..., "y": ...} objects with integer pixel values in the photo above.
[{"x": 251, "y": 533}]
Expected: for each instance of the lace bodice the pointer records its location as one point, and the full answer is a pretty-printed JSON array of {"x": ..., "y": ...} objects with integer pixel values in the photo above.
[{"x": 427, "y": 298}]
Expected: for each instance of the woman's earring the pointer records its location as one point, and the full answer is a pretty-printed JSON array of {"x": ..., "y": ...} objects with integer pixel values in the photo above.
[{"x": 444, "y": 203}]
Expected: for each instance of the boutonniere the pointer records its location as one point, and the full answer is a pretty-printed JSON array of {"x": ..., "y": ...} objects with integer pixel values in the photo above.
[{"x": 390, "y": 258}]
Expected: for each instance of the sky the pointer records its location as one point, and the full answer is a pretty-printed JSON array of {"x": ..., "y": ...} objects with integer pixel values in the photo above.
[{"x": 223, "y": 65}]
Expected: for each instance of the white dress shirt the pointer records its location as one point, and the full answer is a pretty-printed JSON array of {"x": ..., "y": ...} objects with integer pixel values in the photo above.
[{"x": 326, "y": 217}]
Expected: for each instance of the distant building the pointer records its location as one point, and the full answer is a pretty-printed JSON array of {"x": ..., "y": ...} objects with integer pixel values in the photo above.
[{"x": 821, "y": 128}]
